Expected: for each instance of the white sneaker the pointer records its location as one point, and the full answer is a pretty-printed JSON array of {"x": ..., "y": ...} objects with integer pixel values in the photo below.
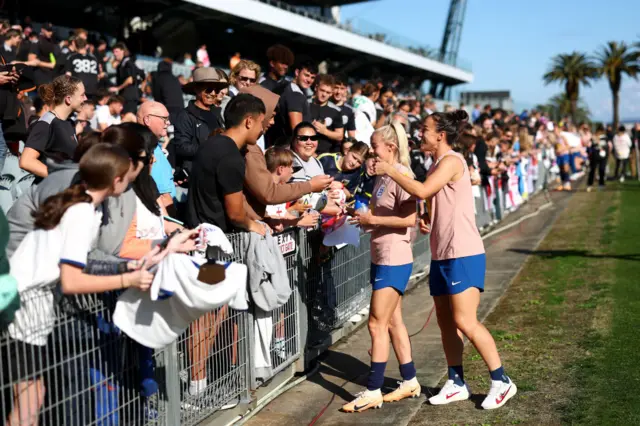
[
  {"x": 450, "y": 392},
  {"x": 499, "y": 394}
]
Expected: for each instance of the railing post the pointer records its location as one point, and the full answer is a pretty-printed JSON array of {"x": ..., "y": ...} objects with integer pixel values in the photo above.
[{"x": 172, "y": 381}]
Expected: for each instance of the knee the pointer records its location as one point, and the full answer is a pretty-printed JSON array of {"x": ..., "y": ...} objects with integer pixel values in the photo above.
[
  {"x": 467, "y": 325},
  {"x": 377, "y": 328},
  {"x": 395, "y": 325}
]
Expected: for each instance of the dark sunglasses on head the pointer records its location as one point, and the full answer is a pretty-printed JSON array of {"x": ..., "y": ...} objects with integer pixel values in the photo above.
[
  {"x": 249, "y": 79},
  {"x": 307, "y": 138}
]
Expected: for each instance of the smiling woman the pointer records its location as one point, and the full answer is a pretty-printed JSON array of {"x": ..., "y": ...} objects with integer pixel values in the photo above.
[{"x": 52, "y": 137}]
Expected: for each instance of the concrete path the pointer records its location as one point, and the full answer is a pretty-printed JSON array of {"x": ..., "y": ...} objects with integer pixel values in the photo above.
[{"x": 344, "y": 368}]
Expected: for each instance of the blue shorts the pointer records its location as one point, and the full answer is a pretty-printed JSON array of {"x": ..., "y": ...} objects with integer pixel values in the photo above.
[
  {"x": 453, "y": 276},
  {"x": 563, "y": 160},
  {"x": 396, "y": 276}
]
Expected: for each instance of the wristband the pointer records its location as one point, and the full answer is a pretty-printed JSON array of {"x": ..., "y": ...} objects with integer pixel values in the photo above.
[{"x": 123, "y": 267}]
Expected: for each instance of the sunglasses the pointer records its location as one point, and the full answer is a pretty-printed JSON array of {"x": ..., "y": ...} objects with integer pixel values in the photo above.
[
  {"x": 313, "y": 138},
  {"x": 247, "y": 79},
  {"x": 209, "y": 90}
]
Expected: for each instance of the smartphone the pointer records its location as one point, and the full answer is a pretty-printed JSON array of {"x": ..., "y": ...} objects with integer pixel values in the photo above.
[{"x": 163, "y": 245}]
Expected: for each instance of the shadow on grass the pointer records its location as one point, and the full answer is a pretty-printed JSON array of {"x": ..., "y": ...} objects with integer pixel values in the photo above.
[{"x": 553, "y": 254}]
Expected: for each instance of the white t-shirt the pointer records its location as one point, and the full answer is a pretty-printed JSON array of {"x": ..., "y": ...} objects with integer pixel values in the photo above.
[
  {"x": 622, "y": 146},
  {"x": 104, "y": 116},
  {"x": 36, "y": 267},
  {"x": 157, "y": 317}
]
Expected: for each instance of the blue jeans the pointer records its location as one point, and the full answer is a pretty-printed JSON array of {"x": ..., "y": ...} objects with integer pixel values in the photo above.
[{"x": 3, "y": 149}]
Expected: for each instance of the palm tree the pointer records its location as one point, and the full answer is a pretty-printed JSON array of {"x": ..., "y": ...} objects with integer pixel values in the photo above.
[
  {"x": 572, "y": 69},
  {"x": 613, "y": 60}
]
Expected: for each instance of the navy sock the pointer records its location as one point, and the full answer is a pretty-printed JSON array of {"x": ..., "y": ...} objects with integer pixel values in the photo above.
[
  {"x": 376, "y": 375},
  {"x": 498, "y": 374},
  {"x": 456, "y": 373},
  {"x": 408, "y": 371}
]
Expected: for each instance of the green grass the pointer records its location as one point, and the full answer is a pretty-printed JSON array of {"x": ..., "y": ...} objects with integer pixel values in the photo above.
[{"x": 609, "y": 380}]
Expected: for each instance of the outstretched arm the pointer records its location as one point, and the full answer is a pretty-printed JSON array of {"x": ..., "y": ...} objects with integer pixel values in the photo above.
[{"x": 450, "y": 168}]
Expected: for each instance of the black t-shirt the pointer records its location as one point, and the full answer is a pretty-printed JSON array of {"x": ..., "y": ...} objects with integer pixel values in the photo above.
[
  {"x": 9, "y": 54},
  {"x": 126, "y": 69},
  {"x": 350, "y": 179},
  {"x": 46, "y": 51},
  {"x": 271, "y": 84},
  {"x": 218, "y": 170},
  {"x": 23, "y": 50},
  {"x": 348, "y": 118},
  {"x": 292, "y": 99},
  {"x": 85, "y": 67},
  {"x": 331, "y": 116},
  {"x": 52, "y": 138}
]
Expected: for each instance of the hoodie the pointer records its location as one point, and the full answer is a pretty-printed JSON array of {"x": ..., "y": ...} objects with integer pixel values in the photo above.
[{"x": 166, "y": 88}]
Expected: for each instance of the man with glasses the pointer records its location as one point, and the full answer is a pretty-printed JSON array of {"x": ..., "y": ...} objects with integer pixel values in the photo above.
[
  {"x": 155, "y": 117},
  {"x": 194, "y": 124}
]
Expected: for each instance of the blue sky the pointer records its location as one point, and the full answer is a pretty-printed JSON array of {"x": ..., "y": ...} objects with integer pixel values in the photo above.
[{"x": 509, "y": 43}]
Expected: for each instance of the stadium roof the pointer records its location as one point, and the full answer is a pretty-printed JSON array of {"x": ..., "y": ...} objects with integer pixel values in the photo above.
[
  {"x": 325, "y": 3},
  {"x": 285, "y": 20}
]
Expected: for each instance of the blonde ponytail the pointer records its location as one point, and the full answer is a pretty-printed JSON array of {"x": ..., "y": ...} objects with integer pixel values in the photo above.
[{"x": 395, "y": 134}]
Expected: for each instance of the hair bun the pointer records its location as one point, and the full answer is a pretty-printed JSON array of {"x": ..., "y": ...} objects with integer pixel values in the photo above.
[{"x": 461, "y": 116}]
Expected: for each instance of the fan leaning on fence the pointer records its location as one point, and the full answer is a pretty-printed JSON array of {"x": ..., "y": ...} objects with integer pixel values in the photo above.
[{"x": 65, "y": 227}]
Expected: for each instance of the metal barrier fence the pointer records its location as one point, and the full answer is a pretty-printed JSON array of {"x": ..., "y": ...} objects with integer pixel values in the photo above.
[{"x": 92, "y": 374}]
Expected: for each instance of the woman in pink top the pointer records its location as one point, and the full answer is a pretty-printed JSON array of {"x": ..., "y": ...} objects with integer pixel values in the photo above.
[
  {"x": 458, "y": 261},
  {"x": 392, "y": 215}
]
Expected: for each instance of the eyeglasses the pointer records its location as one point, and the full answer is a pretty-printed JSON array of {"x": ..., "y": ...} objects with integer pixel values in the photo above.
[
  {"x": 164, "y": 118},
  {"x": 313, "y": 138},
  {"x": 247, "y": 79},
  {"x": 209, "y": 90}
]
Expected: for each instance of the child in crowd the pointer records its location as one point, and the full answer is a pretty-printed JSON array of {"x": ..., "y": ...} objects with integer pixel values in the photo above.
[
  {"x": 280, "y": 165},
  {"x": 345, "y": 169},
  {"x": 346, "y": 145},
  {"x": 367, "y": 180}
]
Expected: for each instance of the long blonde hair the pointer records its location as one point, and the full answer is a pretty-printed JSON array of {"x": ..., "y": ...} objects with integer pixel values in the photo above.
[{"x": 394, "y": 134}]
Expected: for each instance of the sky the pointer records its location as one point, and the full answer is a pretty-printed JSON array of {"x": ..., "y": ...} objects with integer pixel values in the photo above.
[{"x": 510, "y": 43}]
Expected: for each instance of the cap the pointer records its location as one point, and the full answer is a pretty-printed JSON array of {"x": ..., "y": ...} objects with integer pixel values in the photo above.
[{"x": 48, "y": 26}]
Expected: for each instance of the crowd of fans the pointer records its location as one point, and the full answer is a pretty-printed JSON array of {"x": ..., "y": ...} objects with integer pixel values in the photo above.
[{"x": 250, "y": 150}]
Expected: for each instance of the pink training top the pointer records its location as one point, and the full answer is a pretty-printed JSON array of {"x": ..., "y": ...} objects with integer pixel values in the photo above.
[
  {"x": 390, "y": 246},
  {"x": 453, "y": 224}
]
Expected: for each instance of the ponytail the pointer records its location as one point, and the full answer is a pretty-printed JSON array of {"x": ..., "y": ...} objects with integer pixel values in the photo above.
[
  {"x": 403, "y": 146},
  {"x": 53, "y": 93},
  {"x": 394, "y": 134},
  {"x": 50, "y": 212}
]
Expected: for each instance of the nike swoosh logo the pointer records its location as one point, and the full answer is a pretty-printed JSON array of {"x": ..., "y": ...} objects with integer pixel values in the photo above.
[
  {"x": 378, "y": 279},
  {"x": 358, "y": 408},
  {"x": 502, "y": 396},
  {"x": 456, "y": 283},
  {"x": 452, "y": 394}
]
